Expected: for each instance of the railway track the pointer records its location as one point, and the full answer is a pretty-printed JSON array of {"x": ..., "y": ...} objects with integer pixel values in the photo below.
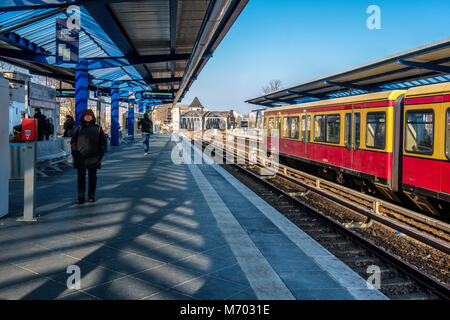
[{"x": 359, "y": 229}]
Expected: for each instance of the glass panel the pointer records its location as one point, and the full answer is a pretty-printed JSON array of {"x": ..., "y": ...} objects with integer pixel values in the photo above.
[
  {"x": 333, "y": 128},
  {"x": 357, "y": 128},
  {"x": 286, "y": 126},
  {"x": 376, "y": 130},
  {"x": 348, "y": 130},
  {"x": 319, "y": 128},
  {"x": 419, "y": 132},
  {"x": 293, "y": 127}
]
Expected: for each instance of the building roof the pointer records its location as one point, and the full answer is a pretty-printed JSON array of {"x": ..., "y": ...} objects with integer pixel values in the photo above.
[
  {"x": 196, "y": 104},
  {"x": 192, "y": 114},
  {"x": 160, "y": 45},
  {"x": 428, "y": 64}
]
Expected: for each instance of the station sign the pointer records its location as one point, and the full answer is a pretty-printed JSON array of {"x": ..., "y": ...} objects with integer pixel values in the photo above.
[
  {"x": 157, "y": 95},
  {"x": 41, "y": 96},
  {"x": 67, "y": 41},
  {"x": 65, "y": 93}
]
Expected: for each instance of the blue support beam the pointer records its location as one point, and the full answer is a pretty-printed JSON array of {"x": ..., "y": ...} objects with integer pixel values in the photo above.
[
  {"x": 312, "y": 95},
  {"x": 280, "y": 100},
  {"x": 81, "y": 90},
  {"x": 140, "y": 103},
  {"x": 111, "y": 62},
  {"x": 106, "y": 20},
  {"x": 148, "y": 80},
  {"x": 353, "y": 86},
  {"x": 115, "y": 114},
  {"x": 22, "y": 43},
  {"x": 427, "y": 66},
  {"x": 28, "y": 56},
  {"x": 32, "y": 19},
  {"x": 20, "y": 5}
]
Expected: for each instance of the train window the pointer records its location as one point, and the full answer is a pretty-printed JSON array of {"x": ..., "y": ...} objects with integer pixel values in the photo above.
[
  {"x": 285, "y": 128},
  {"x": 348, "y": 130},
  {"x": 376, "y": 130},
  {"x": 419, "y": 136},
  {"x": 320, "y": 128},
  {"x": 290, "y": 127},
  {"x": 357, "y": 128},
  {"x": 327, "y": 128},
  {"x": 447, "y": 148},
  {"x": 333, "y": 128}
]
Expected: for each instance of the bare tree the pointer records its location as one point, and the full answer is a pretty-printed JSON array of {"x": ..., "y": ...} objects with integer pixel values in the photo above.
[{"x": 274, "y": 85}]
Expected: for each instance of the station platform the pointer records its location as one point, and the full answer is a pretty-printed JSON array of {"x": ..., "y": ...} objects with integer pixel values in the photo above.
[{"x": 159, "y": 230}]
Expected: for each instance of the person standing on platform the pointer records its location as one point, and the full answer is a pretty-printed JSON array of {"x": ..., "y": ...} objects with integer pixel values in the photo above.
[
  {"x": 69, "y": 124},
  {"x": 146, "y": 125},
  {"x": 41, "y": 123},
  {"x": 88, "y": 147}
]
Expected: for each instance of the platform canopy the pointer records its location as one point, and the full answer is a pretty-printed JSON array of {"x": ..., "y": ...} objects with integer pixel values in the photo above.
[
  {"x": 421, "y": 66},
  {"x": 144, "y": 45}
]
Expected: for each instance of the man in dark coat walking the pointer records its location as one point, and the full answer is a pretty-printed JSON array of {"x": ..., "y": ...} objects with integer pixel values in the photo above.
[
  {"x": 146, "y": 125},
  {"x": 88, "y": 147}
]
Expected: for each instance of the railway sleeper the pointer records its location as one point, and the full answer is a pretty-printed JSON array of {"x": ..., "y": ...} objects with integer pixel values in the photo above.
[
  {"x": 332, "y": 245},
  {"x": 329, "y": 236},
  {"x": 412, "y": 296},
  {"x": 386, "y": 273},
  {"x": 347, "y": 252},
  {"x": 398, "y": 285},
  {"x": 361, "y": 261}
]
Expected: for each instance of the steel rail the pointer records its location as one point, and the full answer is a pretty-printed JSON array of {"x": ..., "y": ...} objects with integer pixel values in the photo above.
[{"x": 438, "y": 288}]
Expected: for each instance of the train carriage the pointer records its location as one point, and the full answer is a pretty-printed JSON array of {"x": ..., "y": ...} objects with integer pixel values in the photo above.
[
  {"x": 380, "y": 141},
  {"x": 426, "y": 146}
]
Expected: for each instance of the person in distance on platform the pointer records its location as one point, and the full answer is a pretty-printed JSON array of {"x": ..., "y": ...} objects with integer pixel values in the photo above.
[
  {"x": 88, "y": 147},
  {"x": 41, "y": 123},
  {"x": 146, "y": 125},
  {"x": 68, "y": 126}
]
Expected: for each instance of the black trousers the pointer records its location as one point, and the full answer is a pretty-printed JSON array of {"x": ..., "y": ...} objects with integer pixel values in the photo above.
[{"x": 92, "y": 174}]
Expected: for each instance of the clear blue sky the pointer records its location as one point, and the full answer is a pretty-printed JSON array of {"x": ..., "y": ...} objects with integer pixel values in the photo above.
[{"x": 296, "y": 41}]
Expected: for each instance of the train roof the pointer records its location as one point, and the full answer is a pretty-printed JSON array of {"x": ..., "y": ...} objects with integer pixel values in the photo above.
[
  {"x": 377, "y": 96},
  {"x": 432, "y": 89}
]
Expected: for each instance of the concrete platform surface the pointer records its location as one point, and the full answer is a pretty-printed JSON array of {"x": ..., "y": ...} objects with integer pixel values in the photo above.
[{"x": 159, "y": 230}]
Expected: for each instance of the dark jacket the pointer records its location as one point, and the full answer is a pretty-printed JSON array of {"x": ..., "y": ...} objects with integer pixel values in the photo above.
[
  {"x": 146, "y": 124},
  {"x": 41, "y": 125},
  {"x": 88, "y": 145},
  {"x": 68, "y": 127}
]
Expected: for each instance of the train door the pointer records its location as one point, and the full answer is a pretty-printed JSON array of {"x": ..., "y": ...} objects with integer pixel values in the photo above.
[
  {"x": 445, "y": 180},
  {"x": 308, "y": 135},
  {"x": 347, "y": 158},
  {"x": 302, "y": 143},
  {"x": 352, "y": 137}
]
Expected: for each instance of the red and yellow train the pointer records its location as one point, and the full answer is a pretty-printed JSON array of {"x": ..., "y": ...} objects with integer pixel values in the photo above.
[{"x": 396, "y": 142}]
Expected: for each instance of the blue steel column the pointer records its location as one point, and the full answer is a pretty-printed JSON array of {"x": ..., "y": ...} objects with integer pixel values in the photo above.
[
  {"x": 115, "y": 114},
  {"x": 147, "y": 106},
  {"x": 140, "y": 103},
  {"x": 131, "y": 104},
  {"x": 81, "y": 89}
]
